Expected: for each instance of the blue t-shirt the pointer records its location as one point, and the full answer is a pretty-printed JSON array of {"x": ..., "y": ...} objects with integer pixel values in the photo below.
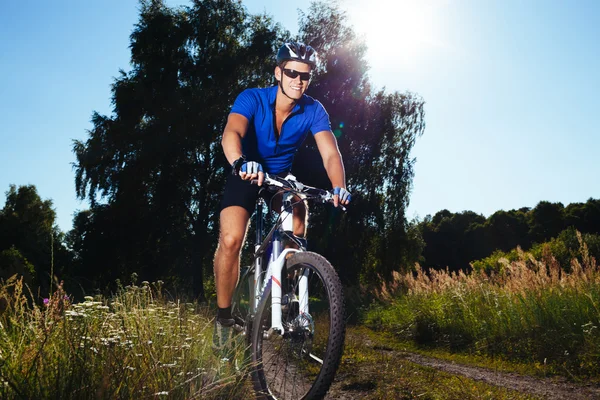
[{"x": 261, "y": 144}]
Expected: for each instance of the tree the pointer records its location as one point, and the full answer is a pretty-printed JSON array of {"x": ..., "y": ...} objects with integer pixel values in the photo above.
[
  {"x": 376, "y": 132},
  {"x": 506, "y": 230},
  {"x": 546, "y": 221},
  {"x": 30, "y": 242},
  {"x": 154, "y": 169},
  {"x": 585, "y": 217},
  {"x": 452, "y": 239}
]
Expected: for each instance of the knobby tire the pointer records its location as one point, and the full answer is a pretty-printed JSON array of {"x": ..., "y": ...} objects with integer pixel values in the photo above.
[{"x": 285, "y": 367}]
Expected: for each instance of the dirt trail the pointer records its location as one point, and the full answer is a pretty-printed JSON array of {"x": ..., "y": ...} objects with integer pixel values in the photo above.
[{"x": 546, "y": 388}]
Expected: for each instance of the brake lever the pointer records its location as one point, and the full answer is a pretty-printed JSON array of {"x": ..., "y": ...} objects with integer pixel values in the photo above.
[{"x": 329, "y": 199}]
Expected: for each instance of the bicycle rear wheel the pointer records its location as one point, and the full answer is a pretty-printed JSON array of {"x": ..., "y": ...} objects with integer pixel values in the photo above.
[{"x": 300, "y": 363}]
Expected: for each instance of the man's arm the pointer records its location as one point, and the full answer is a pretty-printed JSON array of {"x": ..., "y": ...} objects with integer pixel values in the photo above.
[
  {"x": 234, "y": 132},
  {"x": 332, "y": 159}
]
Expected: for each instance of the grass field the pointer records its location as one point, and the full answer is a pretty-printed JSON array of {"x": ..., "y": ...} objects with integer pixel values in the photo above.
[
  {"x": 533, "y": 313},
  {"x": 532, "y": 317},
  {"x": 135, "y": 345}
]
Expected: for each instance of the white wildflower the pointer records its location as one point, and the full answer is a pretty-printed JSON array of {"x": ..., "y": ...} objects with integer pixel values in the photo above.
[{"x": 71, "y": 313}]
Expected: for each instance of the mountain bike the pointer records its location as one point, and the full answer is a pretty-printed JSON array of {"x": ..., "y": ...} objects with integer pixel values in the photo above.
[{"x": 291, "y": 302}]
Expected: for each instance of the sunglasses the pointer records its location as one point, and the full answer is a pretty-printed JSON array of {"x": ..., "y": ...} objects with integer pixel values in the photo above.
[{"x": 292, "y": 73}]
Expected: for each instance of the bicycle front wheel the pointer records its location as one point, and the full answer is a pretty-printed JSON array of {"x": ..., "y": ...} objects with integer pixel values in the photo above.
[{"x": 301, "y": 362}]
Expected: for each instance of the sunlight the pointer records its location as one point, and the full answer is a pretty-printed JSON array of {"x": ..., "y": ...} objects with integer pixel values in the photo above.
[{"x": 396, "y": 30}]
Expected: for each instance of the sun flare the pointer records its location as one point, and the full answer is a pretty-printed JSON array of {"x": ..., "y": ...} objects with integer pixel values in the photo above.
[{"x": 396, "y": 30}]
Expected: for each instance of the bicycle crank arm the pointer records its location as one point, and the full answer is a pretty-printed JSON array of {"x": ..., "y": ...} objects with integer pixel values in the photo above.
[
  {"x": 317, "y": 359},
  {"x": 272, "y": 333}
]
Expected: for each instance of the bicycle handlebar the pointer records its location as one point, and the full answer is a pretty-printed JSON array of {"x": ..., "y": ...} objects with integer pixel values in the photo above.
[{"x": 275, "y": 183}]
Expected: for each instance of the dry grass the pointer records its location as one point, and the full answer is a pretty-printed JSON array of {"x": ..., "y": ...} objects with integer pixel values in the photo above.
[{"x": 531, "y": 311}]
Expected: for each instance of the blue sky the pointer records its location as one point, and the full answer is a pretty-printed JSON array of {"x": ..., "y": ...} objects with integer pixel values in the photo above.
[{"x": 511, "y": 90}]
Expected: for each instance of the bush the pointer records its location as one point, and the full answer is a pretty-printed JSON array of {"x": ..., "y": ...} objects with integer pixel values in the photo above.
[
  {"x": 13, "y": 262},
  {"x": 564, "y": 248}
]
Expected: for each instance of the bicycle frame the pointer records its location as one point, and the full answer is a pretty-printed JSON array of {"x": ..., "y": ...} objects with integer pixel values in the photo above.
[{"x": 276, "y": 264}]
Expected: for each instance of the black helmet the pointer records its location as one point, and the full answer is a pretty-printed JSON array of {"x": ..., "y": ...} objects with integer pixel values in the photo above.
[{"x": 295, "y": 51}]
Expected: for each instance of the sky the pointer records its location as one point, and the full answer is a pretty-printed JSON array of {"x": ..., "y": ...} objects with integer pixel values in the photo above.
[{"x": 510, "y": 89}]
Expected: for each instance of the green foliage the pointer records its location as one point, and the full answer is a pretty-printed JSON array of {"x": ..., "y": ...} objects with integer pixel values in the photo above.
[
  {"x": 30, "y": 242},
  {"x": 12, "y": 262},
  {"x": 563, "y": 248},
  {"x": 454, "y": 240}
]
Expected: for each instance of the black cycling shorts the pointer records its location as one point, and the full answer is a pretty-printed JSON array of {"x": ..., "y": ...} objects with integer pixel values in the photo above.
[{"x": 239, "y": 192}]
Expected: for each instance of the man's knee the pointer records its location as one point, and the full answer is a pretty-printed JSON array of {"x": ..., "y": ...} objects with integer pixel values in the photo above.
[
  {"x": 230, "y": 243},
  {"x": 234, "y": 224}
]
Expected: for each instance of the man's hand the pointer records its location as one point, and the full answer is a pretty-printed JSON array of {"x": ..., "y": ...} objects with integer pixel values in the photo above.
[
  {"x": 341, "y": 196},
  {"x": 252, "y": 170}
]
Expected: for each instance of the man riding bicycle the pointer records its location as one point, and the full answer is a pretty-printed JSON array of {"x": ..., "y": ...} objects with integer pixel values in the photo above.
[{"x": 264, "y": 130}]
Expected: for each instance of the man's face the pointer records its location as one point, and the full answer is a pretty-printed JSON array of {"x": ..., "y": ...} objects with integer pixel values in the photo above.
[{"x": 294, "y": 78}]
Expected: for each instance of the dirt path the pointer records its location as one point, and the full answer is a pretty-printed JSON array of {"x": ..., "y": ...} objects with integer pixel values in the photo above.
[{"x": 545, "y": 388}]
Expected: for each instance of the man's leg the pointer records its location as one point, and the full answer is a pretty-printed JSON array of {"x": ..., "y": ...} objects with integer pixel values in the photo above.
[
  {"x": 299, "y": 214},
  {"x": 233, "y": 227},
  {"x": 300, "y": 218}
]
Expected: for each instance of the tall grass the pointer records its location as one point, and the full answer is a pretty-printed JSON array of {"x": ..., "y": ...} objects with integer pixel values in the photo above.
[
  {"x": 532, "y": 311},
  {"x": 135, "y": 345}
]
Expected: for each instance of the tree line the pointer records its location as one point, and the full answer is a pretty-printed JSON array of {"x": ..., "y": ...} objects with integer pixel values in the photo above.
[
  {"x": 455, "y": 240},
  {"x": 153, "y": 170}
]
